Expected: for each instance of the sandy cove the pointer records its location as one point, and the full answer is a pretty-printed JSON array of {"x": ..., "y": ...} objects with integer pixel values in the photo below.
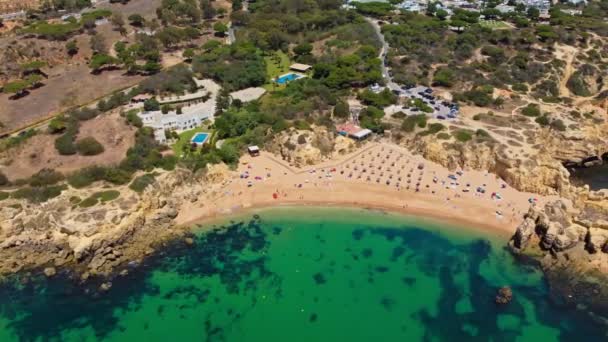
[{"x": 375, "y": 176}]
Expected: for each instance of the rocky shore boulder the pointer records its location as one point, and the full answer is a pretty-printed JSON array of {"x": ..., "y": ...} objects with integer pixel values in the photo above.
[
  {"x": 523, "y": 234},
  {"x": 504, "y": 296}
]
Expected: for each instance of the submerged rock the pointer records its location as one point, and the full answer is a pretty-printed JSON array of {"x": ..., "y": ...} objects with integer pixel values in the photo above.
[
  {"x": 50, "y": 271},
  {"x": 504, "y": 296}
]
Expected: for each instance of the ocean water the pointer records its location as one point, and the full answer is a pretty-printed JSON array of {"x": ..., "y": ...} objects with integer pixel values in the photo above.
[
  {"x": 596, "y": 176},
  {"x": 304, "y": 274}
]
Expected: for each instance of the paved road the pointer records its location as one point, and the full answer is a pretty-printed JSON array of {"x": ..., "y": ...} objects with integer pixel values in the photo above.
[
  {"x": 383, "y": 52},
  {"x": 440, "y": 109}
]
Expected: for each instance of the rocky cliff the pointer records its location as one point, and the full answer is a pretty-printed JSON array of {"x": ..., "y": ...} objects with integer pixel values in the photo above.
[
  {"x": 309, "y": 147},
  {"x": 97, "y": 239},
  {"x": 571, "y": 244}
]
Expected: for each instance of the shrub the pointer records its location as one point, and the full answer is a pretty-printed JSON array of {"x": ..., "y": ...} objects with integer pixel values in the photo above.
[
  {"x": 86, "y": 177},
  {"x": 341, "y": 110},
  {"x": 4, "y": 195},
  {"x": 519, "y": 87},
  {"x": 133, "y": 119},
  {"x": 117, "y": 176},
  {"x": 140, "y": 183},
  {"x": 38, "y": 194},
  {"x": 410, "y": 123},
  {"x": 531, "y": 110},
  {"x": 443, "y": 136},
  {"x": 88, "y": 202},
  {"x": 106, "y": 196},
  {"x": 65, "y": 144},
  {"x": 58, "y": 124},
  {"x": 558, "y": 125},
  {"x": 444, "y": 77},
  {"x": 482, "y": 133},
  {"x": 89, "y": 147},
  {"x": 46, "y": 177},
  {"x": 3, "y": 179},
  {"x": 543, "y": 120},
  {"x": 463, "y": 135}
]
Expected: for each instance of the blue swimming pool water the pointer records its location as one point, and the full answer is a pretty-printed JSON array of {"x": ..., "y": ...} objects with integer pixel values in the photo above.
[
  {"x": 200, "y": 138},
  {"x": 288, "y": 77}
]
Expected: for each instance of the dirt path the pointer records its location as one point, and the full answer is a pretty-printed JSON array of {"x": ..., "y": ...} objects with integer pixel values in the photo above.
[{"x": 567, "y": 54}]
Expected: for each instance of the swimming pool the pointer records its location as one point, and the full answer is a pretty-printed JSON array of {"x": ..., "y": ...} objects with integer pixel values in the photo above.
[
  {"x": 200, "y": 138},
  {"x": 287, "y": 77}
]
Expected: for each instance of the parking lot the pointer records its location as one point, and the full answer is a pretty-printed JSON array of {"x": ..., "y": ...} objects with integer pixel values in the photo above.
[{"x": 442, "y": 110}]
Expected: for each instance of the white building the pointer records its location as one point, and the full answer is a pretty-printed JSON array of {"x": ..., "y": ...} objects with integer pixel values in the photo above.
[{"x": 191, "y": 117}]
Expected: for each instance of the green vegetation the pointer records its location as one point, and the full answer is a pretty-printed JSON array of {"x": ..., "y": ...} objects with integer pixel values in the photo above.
[
  {"x": 277, "y": 63},
  {"x": 184, "y": 138},
  {"x": 4, "y": 195},
  {"x": 139, "y": 184},
  {"x": 463, "y": 135},
  {"x": 237, "y": 66},
  {"x": 89, "y": 146},
  {"x": 411, "y": 122},
  {"x": 433, "y": 128},
  {"x": 374, "y": 9},
  {"x": 17, "y": 140},
  {"x": 380, "y": 100},
  {"x": 532, "y": 110},
  {"x": 38, "y": 194}
]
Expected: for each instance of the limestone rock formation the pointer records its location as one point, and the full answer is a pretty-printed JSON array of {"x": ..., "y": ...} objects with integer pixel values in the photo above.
[{"x": 307, "y": 147}]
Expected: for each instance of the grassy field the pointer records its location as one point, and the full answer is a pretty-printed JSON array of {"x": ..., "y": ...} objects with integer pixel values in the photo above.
[
  {"x": 493, "y": 24},
  {"x": 276, "y": 64}
]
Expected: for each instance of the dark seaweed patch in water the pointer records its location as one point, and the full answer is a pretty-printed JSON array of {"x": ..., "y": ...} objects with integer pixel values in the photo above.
[
  {"x": 367, "y": 252},
  {"x": 408, "y": 281},
  {"x": 277, "y": 230},
  {"x": 382, "y": 269},
  {"x": 388, "y": 303},
  {"x": 358, "y": 234},
  {"x": 33, "y": 307},
  {"x": 447, "y": 324},
  {"x": 319, "y": 278},
  {"x": 313, "y": 317},
  {"x": 397, "y": 252}
]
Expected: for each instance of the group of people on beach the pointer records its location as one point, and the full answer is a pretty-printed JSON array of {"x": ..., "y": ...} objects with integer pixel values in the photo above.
[{"x": 390, "y": 168}]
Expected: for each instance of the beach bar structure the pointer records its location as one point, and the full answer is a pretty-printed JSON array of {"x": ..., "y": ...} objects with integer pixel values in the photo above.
[
  {"x": 353, "y": 131},
  {"x": 300, "y": 67},
  {"x": 254, "y": 151}
]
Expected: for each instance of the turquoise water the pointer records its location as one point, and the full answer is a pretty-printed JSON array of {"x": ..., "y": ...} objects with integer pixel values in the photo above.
[
  {"x": 288, "y": 77},
  {"x": 200, "y": 138},
  {"x": 304, "y": 275}
]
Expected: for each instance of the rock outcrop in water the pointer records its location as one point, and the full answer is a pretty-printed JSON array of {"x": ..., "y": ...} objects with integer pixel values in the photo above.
[
  {"x": 504, "y": 296},
  {"x": 569, "y": 239}
]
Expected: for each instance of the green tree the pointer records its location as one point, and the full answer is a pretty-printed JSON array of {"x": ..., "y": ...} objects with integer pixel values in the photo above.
[
  {"x": 151, "y": 105},
  {"x": 207, "y": 9},
  {"x": 341, "y": 110},
  {"x": 71, "y": 47},
  {"x": 302, "y": 49},
  {"x": 220, "y": 28},
  {"x": 533, "y": 13},
  {"x": 136, "y": 20}
]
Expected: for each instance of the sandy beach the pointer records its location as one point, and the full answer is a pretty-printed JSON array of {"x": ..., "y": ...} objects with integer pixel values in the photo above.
[{"x": 379, "y": 176}]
